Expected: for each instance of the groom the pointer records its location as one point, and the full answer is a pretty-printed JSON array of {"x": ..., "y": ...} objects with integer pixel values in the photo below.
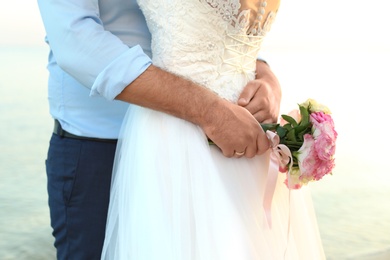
[{"x": 100, "y": 62}]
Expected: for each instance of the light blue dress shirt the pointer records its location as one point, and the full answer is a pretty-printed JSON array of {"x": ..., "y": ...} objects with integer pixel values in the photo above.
[{"x": 97, "y": 47}]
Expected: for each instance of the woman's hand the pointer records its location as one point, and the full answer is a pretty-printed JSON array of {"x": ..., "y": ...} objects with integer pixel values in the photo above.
[{"x": 262, "y": 96}]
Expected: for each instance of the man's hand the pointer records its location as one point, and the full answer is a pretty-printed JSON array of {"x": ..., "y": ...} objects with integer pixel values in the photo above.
[
  {"x": 262, "y": 96},
  {"x": 231, "y": 127},
  {"x": 234, "y": 130}
]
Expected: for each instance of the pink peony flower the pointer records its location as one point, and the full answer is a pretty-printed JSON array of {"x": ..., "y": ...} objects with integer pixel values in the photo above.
[
  {"x": 315, "y": 157},
  {"x": 309, "y": 133},
  {"x": 307, "y": 160},
  {"x": 325, "y": 135}
]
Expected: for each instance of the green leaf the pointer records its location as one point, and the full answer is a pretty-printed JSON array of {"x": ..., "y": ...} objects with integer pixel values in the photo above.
[
  {"x": 291, "y": 135},
  {"x": 281, "y": 131},
  {"x": 302, "y": 133},
  {"x": 304, "y": 115},
  {"x": 302, "y": 128},
  {"x": 270, "y": 127},
  {"x": 293, "y": 146},
  {"x": 294, "y": 143},
  {"x": 290, "y": 120},
  {"x": 288, "y": 127}
]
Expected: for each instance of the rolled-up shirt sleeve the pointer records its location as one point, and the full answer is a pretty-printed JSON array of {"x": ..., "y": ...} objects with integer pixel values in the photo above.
[
  {"x": 82, "y": 47},
  {"x": 120, "y": 72}
]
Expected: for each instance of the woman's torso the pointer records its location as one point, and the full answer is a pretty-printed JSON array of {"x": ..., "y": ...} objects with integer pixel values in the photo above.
[{"x": 213, "y": 42}]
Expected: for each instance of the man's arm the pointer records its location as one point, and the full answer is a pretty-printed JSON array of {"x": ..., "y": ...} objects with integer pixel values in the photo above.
[
  {"x": 231, "y": 127},
  {"x": 100, "y": 61},
  {"x": 262, "y": 96},
  {"x": 84, "y": 49}
]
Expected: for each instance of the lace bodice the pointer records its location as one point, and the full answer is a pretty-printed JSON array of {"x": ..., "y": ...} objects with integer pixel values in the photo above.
[{"x": 212, "y": 42}]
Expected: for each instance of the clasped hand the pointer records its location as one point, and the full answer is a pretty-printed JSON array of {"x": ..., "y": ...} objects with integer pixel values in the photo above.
[{"x": 236, "y": 129}]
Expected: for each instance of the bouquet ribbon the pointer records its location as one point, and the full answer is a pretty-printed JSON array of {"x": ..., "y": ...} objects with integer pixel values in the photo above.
[{"x": 280, "y": 157}]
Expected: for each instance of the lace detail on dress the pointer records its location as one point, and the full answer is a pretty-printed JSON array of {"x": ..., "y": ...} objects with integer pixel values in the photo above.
[
  {"x": 211, "y": 42},
  {"x": 242, "y": 61},
  {"x": 241, "y": 20}
]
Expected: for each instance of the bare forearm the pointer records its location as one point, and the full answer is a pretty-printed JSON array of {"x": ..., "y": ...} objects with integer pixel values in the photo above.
[
  {"x": 165, "y": 92},
  {"x": 231, "y": 127}
]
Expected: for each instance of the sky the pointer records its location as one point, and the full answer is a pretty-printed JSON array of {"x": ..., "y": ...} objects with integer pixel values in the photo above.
[{"x": 20, "y": 23}]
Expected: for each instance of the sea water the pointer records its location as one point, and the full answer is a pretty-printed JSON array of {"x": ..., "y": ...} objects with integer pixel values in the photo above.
[
  {"x": 25, "y": 127},
  {"x": 351, "y": 205}
]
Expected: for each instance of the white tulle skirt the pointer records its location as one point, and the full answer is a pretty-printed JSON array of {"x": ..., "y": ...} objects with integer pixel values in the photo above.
[{"x": 175, "y": 197}]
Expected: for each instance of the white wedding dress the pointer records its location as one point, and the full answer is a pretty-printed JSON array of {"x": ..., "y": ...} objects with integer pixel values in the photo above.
[{"x": 174, "y": 196}]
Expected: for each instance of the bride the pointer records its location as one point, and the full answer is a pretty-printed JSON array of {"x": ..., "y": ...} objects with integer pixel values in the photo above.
[{"x": 173, "y": 195}]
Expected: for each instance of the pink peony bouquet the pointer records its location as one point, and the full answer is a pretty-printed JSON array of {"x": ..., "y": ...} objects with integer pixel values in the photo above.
[{"x": 310, "y": 135}]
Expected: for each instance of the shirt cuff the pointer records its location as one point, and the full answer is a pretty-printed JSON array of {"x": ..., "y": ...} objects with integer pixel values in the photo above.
[{"x": 120, "y": 73}]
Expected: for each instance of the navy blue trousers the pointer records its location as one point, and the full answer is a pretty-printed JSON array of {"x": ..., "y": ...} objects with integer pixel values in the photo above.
[{"x": 79, "y": 179}]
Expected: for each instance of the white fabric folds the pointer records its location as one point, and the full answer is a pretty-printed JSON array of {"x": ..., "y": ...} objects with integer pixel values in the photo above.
[{"x": 176, "y": 197}]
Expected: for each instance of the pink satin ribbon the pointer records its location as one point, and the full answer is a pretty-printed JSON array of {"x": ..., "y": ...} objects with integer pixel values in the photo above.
[{"x": 280, "y": 156}]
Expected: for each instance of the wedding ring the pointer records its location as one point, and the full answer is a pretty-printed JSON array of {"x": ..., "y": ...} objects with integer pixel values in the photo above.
[{"x": 239, "y": 153}]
